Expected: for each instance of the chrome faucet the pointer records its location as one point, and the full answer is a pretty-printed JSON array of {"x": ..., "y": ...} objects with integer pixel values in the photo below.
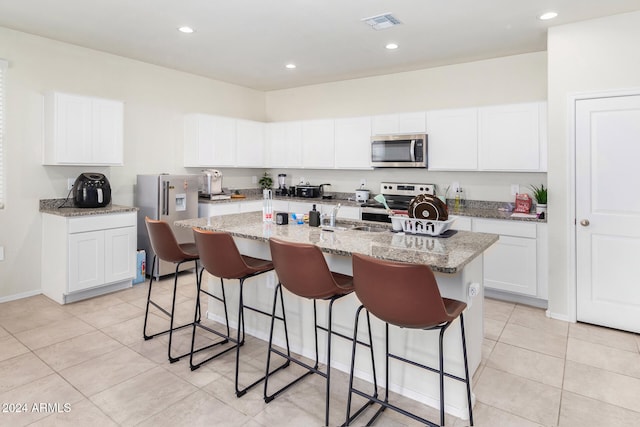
[{"x": 334, "y": 213}]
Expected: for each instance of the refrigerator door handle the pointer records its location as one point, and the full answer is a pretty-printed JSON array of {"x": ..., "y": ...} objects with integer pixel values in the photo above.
[{"x": 165, "y": 197}]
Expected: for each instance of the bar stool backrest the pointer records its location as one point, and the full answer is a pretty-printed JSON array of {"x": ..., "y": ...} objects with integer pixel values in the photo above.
[
  {"x": 219, "y": 254},
  {"x": 302, "y": 269},
  {"x": 164, "y": 243},
  {"x": 402, "y": 294}
]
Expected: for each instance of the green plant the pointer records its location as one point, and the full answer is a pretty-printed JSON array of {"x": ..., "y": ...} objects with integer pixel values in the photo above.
[
  {"x": 540, "y": 194},
  {"x": 265, "y": 181}
]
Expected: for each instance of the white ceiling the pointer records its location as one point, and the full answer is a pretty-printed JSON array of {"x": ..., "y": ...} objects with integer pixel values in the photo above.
[{"x": 248, "y": 42}]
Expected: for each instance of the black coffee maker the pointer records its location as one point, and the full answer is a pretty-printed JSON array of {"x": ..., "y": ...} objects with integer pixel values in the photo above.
[{"x": 282, "y": 188}]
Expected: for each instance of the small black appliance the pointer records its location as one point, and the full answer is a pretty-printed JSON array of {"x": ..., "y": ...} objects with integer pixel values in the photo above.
[{"x": 91, "y": 190}]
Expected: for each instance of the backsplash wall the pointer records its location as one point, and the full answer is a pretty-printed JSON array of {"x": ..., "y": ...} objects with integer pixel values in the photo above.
[{"x": 494, "y": 186}]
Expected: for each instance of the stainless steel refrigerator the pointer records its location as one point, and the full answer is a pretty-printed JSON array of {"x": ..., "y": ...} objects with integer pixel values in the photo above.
[{"x": 168, "y": 198}]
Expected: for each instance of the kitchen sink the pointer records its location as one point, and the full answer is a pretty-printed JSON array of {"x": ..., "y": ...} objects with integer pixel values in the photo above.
[
  {"x": 354, "y": 228},
  {"x": 368, "y": 228},
  {"x": 333, "y": 228}
]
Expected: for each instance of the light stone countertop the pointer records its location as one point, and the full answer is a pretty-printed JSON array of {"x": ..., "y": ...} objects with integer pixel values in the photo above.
[
  {"x": 60, "y": 208},
  {"x": 445, "y": 255},
  {"x": 473, "y": 208}
]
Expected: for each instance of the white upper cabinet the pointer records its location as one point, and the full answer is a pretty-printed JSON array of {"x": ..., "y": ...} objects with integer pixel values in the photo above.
[
  {"x": 81, "y": 130},
  {"x": 453, "y": 139},
  {"x": 209, "y": 141},
  {"x": 284, "y": 144},
  {"x": 513, "y": 137},
  {"x": 353, "y": 143},
  {"x": 318, "y": 149},
  {"x": 399, "y": 123},
  {"x": 250, "y": 140}
]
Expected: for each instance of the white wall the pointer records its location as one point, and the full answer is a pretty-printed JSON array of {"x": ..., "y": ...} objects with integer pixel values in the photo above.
[
  {"x": 518, "y": 78},
  {"x": 155, "y": 101},
  {"x": 597, "y": 55}
]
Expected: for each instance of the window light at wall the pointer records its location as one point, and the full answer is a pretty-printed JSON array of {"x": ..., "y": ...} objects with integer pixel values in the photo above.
[{"x": 3, "y": 79}]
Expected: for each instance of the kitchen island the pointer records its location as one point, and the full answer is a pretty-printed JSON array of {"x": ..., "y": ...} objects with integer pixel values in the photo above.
[{"x": 456, "y": 261}]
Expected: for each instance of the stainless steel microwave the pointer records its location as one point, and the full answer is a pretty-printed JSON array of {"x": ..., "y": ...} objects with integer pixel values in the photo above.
[{"x": 399, "y": 151}]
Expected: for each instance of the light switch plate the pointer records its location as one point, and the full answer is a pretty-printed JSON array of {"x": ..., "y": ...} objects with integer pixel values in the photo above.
[{"x": 1, "y": 253}]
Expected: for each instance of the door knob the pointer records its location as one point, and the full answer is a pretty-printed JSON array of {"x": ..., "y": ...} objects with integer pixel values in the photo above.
[{"x": 584, "y": 222}]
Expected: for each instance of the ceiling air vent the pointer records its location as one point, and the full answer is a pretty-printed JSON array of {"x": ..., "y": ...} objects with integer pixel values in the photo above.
[{"x": 380, "y": 22}]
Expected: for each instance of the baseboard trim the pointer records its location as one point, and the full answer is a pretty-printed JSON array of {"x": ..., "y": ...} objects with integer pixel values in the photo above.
[{"x": 20, "y": 295}]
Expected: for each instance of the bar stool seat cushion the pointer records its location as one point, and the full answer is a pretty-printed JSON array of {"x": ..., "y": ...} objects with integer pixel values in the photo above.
[
  {"x": 307, "y": 275},
  {"x": 402, "y": 294}
]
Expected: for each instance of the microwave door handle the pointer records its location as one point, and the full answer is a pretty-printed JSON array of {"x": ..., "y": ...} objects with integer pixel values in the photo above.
[
  {"x": 413, "y": 150},
  {"x": 165, "y": 198}
]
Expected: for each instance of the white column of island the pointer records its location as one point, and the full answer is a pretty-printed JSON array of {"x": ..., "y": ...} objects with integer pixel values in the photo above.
[{"x": 456, "y": 262}]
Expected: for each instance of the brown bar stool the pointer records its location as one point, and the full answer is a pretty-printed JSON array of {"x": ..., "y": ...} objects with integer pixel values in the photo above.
[
  {"x": 405, "y": 295},
  {"x": 220, "y": 257},
  {"x": 303, "y": 271},
  {"x": 166, "y": 248}
]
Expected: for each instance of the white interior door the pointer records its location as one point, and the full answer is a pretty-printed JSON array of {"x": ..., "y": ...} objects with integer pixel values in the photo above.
[{"x": 608, "y": 211}]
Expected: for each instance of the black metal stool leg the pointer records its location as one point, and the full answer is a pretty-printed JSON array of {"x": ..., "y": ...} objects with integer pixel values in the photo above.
[
  {"x": 173, "y": 311},
  {"x": 441, "y": 373},
  {"x": 146, "y": 312},
  {"x": 466, "y": 369},
  {"x": 225, "y": 338}
]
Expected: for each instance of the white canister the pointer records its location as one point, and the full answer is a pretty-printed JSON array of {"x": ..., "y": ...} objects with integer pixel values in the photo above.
[{"x": 362, "y": 195}]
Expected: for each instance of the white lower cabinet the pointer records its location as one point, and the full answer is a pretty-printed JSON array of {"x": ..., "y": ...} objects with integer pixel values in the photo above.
[
  {"x": 516, "y": 263},
  {"x": 87, "y": 256},
  {"x": 206, "y": 210}
]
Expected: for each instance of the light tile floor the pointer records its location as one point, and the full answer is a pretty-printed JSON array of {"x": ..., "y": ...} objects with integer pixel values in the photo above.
[{"x": 89, "y": 358}]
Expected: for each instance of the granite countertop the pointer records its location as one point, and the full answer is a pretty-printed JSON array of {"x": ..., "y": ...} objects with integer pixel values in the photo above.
[
  {"x": 472, "y": 208},
  {"x": 58, "y": 207},
  {"x": 445, "y": 255},
  {"x": 317, "y": 200}
]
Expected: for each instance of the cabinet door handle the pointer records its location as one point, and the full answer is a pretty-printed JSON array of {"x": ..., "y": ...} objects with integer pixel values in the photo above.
[{"x": 584, "y": 222}]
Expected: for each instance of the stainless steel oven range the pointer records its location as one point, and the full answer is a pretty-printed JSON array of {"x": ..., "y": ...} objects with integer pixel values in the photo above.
[{"x": 398, "y": 195}]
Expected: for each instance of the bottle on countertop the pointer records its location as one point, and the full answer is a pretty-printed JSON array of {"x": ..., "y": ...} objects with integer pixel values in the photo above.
[
  {"x": 459, "y": 201},
  {"x": 267, "y": 205},
  {"x": 314, "y": 217}
]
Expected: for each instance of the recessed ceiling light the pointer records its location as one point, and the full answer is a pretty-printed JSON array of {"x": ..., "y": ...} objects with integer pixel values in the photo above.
[
  {"x": 187, "y": 30},
  {"x": 290, "y": 66},
  {"x": 391, "y": 46},
  {"x": 547, "y": 16}
]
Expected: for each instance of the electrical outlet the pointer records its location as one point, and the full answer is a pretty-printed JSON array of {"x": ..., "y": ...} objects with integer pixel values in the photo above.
[
  {"x": 474, "y": 289},
  {"x": 455, "y": 186},
  {"x": 363, "y": 182},
  {"x": 1, "y": 253},
  {"x": 254, "y": 179},
  {"x": 515, "y": 189},
  {"x": 70, "y": 182}
]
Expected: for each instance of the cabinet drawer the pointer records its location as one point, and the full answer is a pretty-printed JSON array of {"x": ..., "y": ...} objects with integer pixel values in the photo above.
[
  {"x": 101, "y": 222},
  {"x": 462, "y": 223},
  {"x": 251, "y": 206},
  {"x": 505, "y": 228}
]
